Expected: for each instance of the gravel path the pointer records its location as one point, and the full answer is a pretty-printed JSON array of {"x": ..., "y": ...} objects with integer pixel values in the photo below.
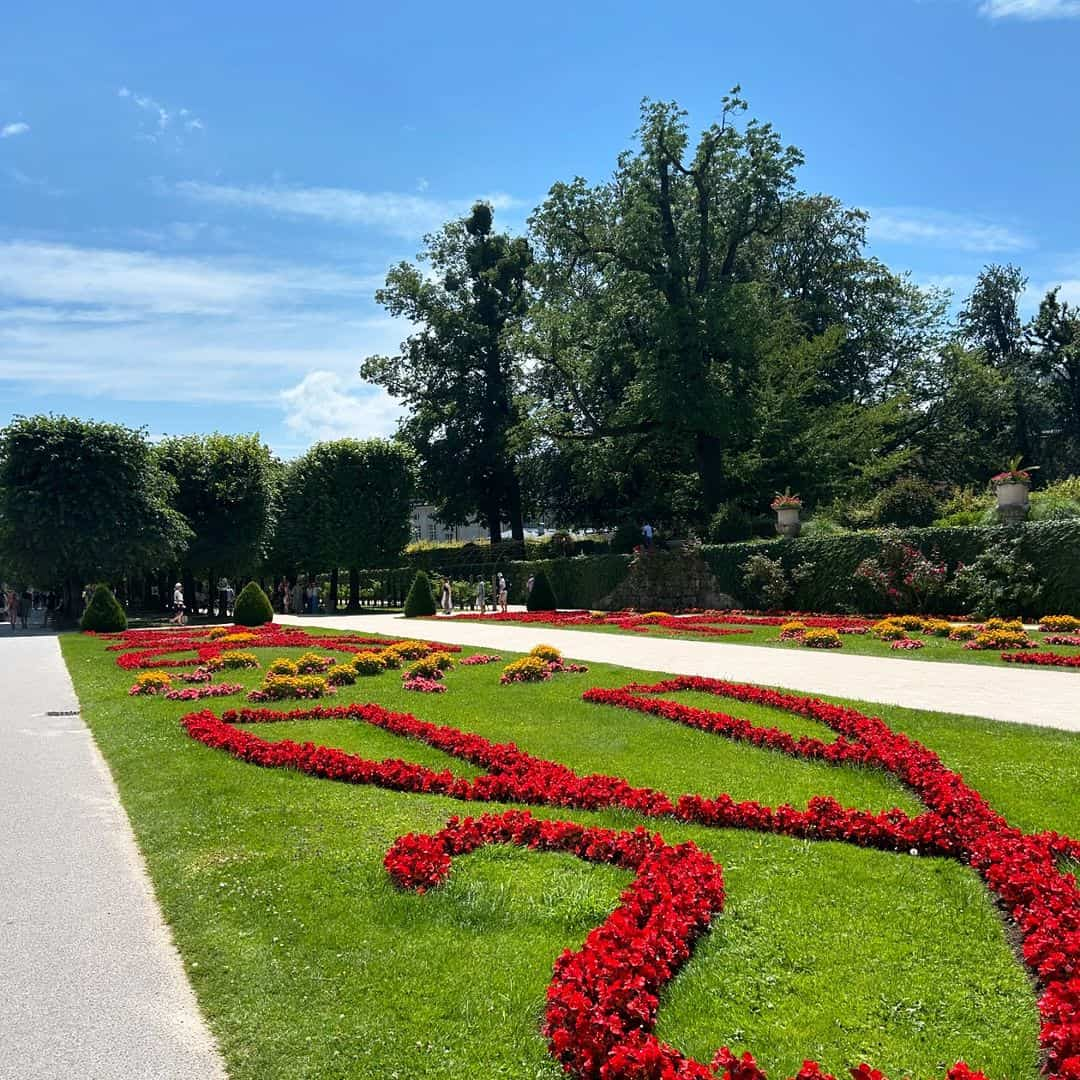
[
  {"x": 1045, "y": 698},
  {"x": 91, "y": 984}
]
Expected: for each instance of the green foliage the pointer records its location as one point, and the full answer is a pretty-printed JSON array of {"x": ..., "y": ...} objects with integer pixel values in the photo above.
[
  {"x": 1052, "y": 547},
  {"x": 81, "y": 501},
  {"x": 461, "y": 373},
  {"x": 999, "y": 582},
  {"x": 769, "y": 583},
  {"x": 346, "y": 503},
  {"x": 253, "y": 607},
  {"x": 542, "y": 596},
  {"x": 224, "y": 487},
  {"x": 103, "y": 614},
  {"x": 420, "y": 600},
  {"x": 730, "y": 524},
  {"x": 909, "y": 501}
]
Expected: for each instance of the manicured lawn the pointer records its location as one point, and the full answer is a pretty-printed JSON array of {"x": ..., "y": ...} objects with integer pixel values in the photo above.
[
  {"x": 309, "y": 963},
  {"x": 934, "y": 648}
]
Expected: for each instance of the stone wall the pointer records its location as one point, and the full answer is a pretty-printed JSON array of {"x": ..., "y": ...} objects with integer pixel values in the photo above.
[{"x": 667, "y": 581}]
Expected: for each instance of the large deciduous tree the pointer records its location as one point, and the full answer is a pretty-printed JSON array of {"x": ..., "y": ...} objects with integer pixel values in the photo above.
[
  {"x": 225, "y": 490},
  {"x": 346, "y": 504},
  {"x": 82, "y": 501},
  {"x": 460, "y": 374}
]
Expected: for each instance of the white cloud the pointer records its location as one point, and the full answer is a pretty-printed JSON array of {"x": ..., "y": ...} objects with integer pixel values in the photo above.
[
  {"x": 1030, "y": 9},
  {"x": 329, "y": 405},
  {"x": 398, "y": 213},
  {"x": 934, "y": 228},
  {"x": 9, "y": 131},
  {"x": 163, "y": 120},
  {"x": 159, "y": 284}
]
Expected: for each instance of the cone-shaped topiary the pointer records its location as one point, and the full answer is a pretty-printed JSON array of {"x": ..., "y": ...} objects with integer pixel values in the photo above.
[
  {"x": 542, "y": 595},
  {"x": 104, "y": 614},
  {"x": 419, "y": 601},
  {"x": 253, "y": 608}
]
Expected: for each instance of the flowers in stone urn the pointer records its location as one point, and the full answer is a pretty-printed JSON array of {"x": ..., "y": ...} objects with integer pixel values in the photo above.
[
  {"x": 787, "y": 507},
  {"x": 1011, "y": 487}
]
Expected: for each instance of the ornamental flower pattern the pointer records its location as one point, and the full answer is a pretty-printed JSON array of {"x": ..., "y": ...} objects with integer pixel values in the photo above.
[{"x": 603, "y": 999}]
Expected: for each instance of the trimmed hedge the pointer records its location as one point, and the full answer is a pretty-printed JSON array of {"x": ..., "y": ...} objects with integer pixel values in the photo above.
[
  {"x": 419, "y": 601},
  {"x": 1052, "y": 547},
  {"x": 471, "y": 558},
  {"x": 253, "y": 607},
  {"x": 542, "y": 596},
  {"x": 103, "y": 614}
]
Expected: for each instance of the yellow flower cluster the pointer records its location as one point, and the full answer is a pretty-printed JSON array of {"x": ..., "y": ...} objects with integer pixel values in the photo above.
[
  {"x": 373, "y": 663},
  {"x": 151, "y": 682},
  {"x": 282, "y": 666},
  {"x": 312, "y": 663},
  {"x": 233, "y": 658},
  {"x": 1059, "y": 624},
  {"x": 527, "y": 669},
  {"x": 822, "y": 638},
  {"x": 341, "y": 675},
  {"x": 430, "y": 666},
  {"x": 548, "y": 653}
]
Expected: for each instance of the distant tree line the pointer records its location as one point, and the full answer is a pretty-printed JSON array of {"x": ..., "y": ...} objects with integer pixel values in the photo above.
[
  {"x": 681, "y": 340},
  {"x": 82, "y": 501}
]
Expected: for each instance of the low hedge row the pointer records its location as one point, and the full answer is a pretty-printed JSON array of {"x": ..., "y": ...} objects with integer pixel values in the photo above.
[
  {"x": 470, "y": 557},
  {"x": 1052, "y": 547}
]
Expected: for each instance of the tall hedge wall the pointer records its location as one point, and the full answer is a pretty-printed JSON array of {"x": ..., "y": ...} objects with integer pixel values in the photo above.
[
  {"x": 471, "y": 558},
  {"x": 1052, "y": 547}
]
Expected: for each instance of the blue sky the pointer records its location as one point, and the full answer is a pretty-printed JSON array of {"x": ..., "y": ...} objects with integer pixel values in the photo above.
[{"x": 196, "y": 204}]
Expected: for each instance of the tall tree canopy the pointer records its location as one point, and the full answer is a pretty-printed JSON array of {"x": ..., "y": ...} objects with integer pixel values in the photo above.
[
  {"x": 346, "y": 504},
  {"x": 225, "y": 490},
  {"x": 81, "y": 501},
  {"x": 706, "y": 330},
  {"x": 460, "y": 374}
]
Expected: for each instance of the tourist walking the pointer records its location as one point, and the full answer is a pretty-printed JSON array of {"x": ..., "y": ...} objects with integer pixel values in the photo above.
[
  {"x": 25, "y": 602},
  {"x": 12, "y": 607},
  {"x": 481, "y": 594},
  {"x": 179, "y": 607},
  {"x": 647, "y": 535},
  {"x": 503, "y": 591},
  {"x": 447, "y": 597},
  {"x": 528, "y": 586}
]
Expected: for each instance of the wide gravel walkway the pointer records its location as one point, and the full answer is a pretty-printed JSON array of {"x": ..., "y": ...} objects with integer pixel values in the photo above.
[
  {"x": 1026, "y": 696},
  {"x": 91, "y": 985}
]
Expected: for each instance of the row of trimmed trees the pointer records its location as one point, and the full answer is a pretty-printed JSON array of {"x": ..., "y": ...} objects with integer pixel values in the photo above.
[{"x": 83, "y": 501}]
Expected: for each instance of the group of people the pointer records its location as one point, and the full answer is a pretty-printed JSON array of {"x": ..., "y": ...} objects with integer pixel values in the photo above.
[
  {"x": 226, "y": 600},
  {"x": 298, "y": 599},
  {"x": 28, "y": 609},
  {"x": 478, "y": 594}
]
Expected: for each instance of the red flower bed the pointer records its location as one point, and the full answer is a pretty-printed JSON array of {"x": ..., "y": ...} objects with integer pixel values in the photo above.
[
  {"x": 1041, "y": 659},
  {"x": 602, "y": 1000},
  {"x": 143, "y": 648}
]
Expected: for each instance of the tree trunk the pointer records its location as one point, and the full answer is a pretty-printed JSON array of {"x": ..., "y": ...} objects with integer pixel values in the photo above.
[
  {"x": 494, "y": 524},
  {"x": 354, "y": 589},
  {"x": 211, "y": 594},
  {"x": 517, "y": 526},
  {"x": 333, "y": 590}
]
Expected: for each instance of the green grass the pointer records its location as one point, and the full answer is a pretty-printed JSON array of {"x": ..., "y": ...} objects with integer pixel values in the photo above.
[
  {"x": 934, "y": 648},
  {"x": 309, "y": 963}
]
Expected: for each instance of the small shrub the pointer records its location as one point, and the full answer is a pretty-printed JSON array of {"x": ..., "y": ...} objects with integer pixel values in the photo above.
[
  {"x": 542, "y": 596},
  {"x": 373, "y": 663},
  {"x": 253, "y": 607},
  {"x": 901, "y": 576},
  {"x": 730, "y": 524},
  {"x": 909, "y": 501},
  {"x": 103, "y": 614},
  {"x": 420, "y": 601},
  {"x": 998, "y": 582}
]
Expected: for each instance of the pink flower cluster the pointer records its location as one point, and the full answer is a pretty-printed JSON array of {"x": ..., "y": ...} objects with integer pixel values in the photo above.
[
  {"x": 908, "y": 644},
  {"x": 479, "y": 658},
  {"x": 424, "y": 685},
  {"x": 196, "y": 693}
]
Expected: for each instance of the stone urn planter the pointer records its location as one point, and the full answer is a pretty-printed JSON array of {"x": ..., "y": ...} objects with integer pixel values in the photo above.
[
  {"x": 1012, "y": 500},
  {"x": 1011, "y": 488},
  {"x": 787, "y": 508}
]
